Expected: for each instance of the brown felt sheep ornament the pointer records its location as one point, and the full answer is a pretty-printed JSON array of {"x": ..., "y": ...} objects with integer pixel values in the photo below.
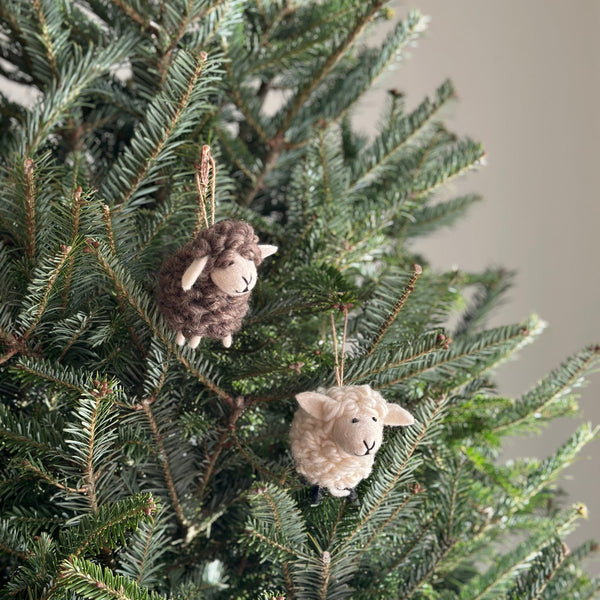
[{"x": 205, "y": 286}]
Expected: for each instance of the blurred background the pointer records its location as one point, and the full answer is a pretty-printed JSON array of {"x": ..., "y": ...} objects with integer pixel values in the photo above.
[{"x": 527, "y": 77}]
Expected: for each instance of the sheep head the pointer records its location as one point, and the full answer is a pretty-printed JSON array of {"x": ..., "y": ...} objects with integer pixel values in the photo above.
[
  {"x": 233, "y": 274},
  {"x": 355, "y": 416}
]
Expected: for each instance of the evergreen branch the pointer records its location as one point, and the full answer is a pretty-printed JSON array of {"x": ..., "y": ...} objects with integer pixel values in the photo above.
[
  {"x": 249, "y": 114},
  {"x": 377, "y": 531},
  {"x": 108, "y": 526},
  {"x": 234, "y": 148},
  {"x": 129, "y": 11},
  {"x": 46, "y": 39},
  {"x": 84, "y": 326},
  {"x": 410, "y": 286},
  {"x": 462, "y": 158},
  {"x": 29, "y": 188},
  {"x": 317, "y": 78},
  {"x": 273, "y": 544},
  {"x": 551, "y": 467},
  {"x": 89, "y": 474},
  {"x": 10, "y": 20},
  {"x": 392, "y": 357},
  {"x": 233, "y": 417},
  {"x": 12, "y": 543},
  {"x": 76, "y": 209},
  {"x": 141, "y": 559},
  {"x": 427, "y": 219},
  {"x": 337, "y": 98},
  {"x": 192, "y": 69},
  {"x": 312, "y": 25},
  {"x": 492, "y": 284},
  {"x": 23, "y": 435},
  {"x": 33, "y": 577},
  {"x": 277, "y": 141},
  {"x": 89, "y": 580},
  {"x": 64, "y": 95},
  {"x": 160, "y": 219},
  {"x": 92, "y": 435},
  {"x": 29, "y": 466},
  {"x": 531, "y": 585},
  {"x": 120, "y": 299},
  {"x": 325, "y": 574},
  {"x": 507, "y": 567},
  {"x": 186, "y": 18},
  {"x": 60, "y": 375},
  {"x": 164, "y": 462},
  {"x": 381, "y": 490},
  {"x": 276, "y": 521},
  {"x": 251, "y": 460},
  {"x": 390, "y": 142},
  {"x": 480, "y": 353},
  {"x": 40, "y": 290},
  {"x": 548, "y": 391}
]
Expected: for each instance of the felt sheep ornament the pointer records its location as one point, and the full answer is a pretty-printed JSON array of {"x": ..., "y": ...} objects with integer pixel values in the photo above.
[
  {"x": 204, "y": 288},
  {"x": 336, "y": 433}
]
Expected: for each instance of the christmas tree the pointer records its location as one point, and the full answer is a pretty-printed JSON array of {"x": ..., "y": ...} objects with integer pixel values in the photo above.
[{"x": 136, "y": 468}]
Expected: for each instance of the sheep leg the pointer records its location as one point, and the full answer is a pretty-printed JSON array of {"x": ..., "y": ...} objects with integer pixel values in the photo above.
[
  {"x": 194, "y": 341},
  {"x": 227, "y": 341},
  {"x": 352, "y": 496},
  {"x": 180, "y": 339},
  {"x": 316, "y": 495}
]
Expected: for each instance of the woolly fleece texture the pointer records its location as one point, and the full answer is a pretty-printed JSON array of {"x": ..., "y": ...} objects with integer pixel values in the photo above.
[
  {"x": 336, "y": 433},
  {"x": 205, "y": 286}
]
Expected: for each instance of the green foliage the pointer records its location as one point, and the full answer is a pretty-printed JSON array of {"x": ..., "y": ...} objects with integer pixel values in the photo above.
[{"x": 132, "y": 468}]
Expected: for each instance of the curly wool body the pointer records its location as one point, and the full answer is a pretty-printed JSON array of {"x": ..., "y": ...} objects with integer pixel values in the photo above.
[
  {"x": 204, "y": 288},
  {"x": 336, "y": 433}
]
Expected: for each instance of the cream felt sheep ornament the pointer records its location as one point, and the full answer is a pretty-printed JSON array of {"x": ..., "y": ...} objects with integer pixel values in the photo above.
[
  {"x": 336, "y": 433},
  {"x": 204, "y": 288}
]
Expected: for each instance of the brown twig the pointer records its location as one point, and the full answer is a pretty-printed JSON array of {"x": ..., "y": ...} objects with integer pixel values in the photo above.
[
  {"x": 410, "y": 286},
  {"x": 28, "y": 169}
]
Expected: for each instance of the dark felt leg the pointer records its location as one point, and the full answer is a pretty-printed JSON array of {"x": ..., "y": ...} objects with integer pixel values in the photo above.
[{"x": 316, "y": 495}]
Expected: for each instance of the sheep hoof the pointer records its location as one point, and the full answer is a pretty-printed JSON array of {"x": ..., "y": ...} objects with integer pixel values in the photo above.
[
  {"x": 194, "y": 341},
  {"x": 316, "y": 495},
  {"x": 227, "y": 341},
  {"x": 180, "y": 339}
]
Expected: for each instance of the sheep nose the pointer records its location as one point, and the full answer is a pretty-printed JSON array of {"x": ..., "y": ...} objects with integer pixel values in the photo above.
[{"x": 367, "y": 447}]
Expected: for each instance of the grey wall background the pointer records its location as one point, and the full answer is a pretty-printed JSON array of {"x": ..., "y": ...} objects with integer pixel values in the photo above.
[{"x": 526, "y": 73}]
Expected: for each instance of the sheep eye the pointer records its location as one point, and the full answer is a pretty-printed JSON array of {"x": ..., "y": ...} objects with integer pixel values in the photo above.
[
  {"x": 231, "y": 263},
  {"x": 355, "y": 420},
  {"x": 375, "y": 419}
]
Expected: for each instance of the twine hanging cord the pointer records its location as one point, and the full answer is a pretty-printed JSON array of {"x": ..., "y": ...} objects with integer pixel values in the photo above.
[
  {"x": 339, "y": 362},
  {"x": 203, "y": 179}
]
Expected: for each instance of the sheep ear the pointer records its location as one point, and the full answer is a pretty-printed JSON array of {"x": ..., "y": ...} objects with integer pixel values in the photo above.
[
  {"x": 397, "y": 416},
  {"x": 314, "y": 404},
  {"x": 267, "y": 250},
  {"x": 192, "y": 273}
]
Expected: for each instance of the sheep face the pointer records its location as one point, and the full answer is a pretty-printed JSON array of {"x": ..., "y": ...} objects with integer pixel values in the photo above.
[
  {"x": 237, "y": 278},
  {"x": 358, "y": 433}
]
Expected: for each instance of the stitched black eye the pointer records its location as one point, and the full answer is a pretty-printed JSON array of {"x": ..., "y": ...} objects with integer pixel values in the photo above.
[
  {"x": 375, "y": 419},
  {"x": 231, "y": 263},
  {"x": 355, "y": 420}
]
